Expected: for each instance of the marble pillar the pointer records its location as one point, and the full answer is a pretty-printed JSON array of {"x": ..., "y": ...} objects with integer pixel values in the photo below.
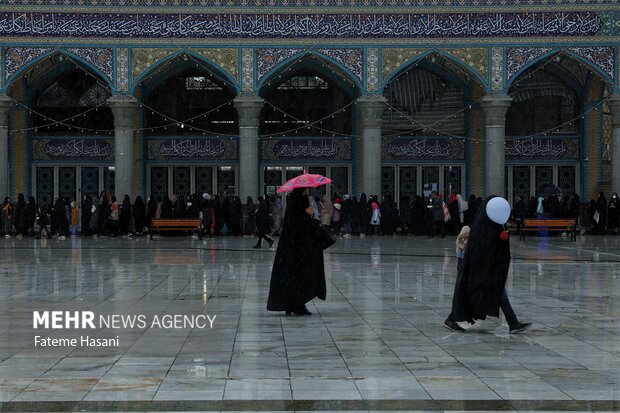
[
  {"x": 371, "y": 111},
  {"x": 5, "y": 107},
  {"x": 123, "y": 108},
  {"x": 614, "y": 106},
  {"x": 495, "y": 108},
  {"x": 248, "y": 109}
]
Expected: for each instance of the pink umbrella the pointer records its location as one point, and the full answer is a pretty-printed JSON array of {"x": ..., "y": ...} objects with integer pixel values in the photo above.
[{"x": 304, "y": 180}]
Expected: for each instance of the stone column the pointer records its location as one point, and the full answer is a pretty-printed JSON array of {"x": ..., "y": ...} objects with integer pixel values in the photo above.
[
  {"x": 495, "y": 108},
  {"x": 123, "y": 108},
  {"x": 371, "y": 111},
  {"x": 614, "y": 105},
  {"x": 5, "y": 107},
  {"x": 248, "y": 109}
]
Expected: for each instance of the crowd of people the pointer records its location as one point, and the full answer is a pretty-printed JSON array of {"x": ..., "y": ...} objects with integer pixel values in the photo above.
[{"x": 344, "y": 215}]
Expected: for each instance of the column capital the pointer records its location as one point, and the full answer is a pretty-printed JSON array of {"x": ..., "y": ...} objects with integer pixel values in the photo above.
[
  {"x": 614, "y": 106},
  {"x": 371, "y": 108},
  {"x": 248, "y": 109},
  {"x": 495, "y": 108},
  {"x": 123, "y": 108},
  {"x": 6, "y": 103}
]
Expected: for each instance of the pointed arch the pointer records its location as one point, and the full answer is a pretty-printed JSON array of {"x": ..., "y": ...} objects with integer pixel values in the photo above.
[
  {"x": 210, "y": 65},
  {"x": 281, "y": 66},
  {"x": 63, "y": 52},
  {"x": 470, "y": 72},
  {"x": 548, "y": 54}
]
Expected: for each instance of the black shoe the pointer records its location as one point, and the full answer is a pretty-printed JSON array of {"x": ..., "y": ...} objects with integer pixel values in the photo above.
[
  {"x": 271, "y": 243},
  {"x": 517, "y": 328},
  {"x": 256, "y": 246},
  {"x": 299, "y": 311},
  {"x": 453, "y": 326}
]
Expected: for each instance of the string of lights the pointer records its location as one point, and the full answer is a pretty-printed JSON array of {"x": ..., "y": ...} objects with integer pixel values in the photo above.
[{"x": 305, "y": 124}]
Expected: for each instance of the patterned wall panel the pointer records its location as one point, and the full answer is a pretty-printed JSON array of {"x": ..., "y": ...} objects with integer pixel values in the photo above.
[
  {"x": 372, "y": 69},
  {"x": 475, "y": 57},
  {"x": 519, "y": 57},
  {"x": 497, "y": 68},
  {"x": 122, "y": 69},
  {"x": 143, "y": 59},
  {"x": 393, "y": 59},
  {"x": 247, "y": 70},
  {"x": 352, "y": 59},
  {"x": 16, "y": 58},
  {"x": 227, "y": 59},
  {"x": 101, "y": 58},
  {"x": 268, "y": 59}
]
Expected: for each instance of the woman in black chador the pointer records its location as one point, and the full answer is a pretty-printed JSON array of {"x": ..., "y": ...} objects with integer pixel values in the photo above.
[
  {"x": 298, "y": 273},
  {"x": 480, "y": 284}
]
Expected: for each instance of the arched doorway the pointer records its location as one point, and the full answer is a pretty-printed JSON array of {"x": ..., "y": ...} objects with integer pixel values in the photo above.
[
  {"x": 308, "y": 123},
  {"x": 190, "y": 130},
  {"x": 551, "y": 125},
  {"x": 426, "y": 129},
  {"x": 69, "y": 129}
]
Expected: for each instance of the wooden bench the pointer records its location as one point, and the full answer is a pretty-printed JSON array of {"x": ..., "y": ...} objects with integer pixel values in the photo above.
[
  {"x": 178, "y": 224},
  {"x": 560, "y": 225}
]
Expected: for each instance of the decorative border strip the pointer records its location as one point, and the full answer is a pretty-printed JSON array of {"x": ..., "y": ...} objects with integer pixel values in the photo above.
[{"x": 236, "y": 25}]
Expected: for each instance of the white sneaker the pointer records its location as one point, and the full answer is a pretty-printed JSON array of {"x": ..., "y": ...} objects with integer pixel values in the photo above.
[
  {"x": 62, "y": 238},
  {"x": 19, "y": 236},
  {"x": 347, "y": 236},
  {"x": 7, "y": 236}
]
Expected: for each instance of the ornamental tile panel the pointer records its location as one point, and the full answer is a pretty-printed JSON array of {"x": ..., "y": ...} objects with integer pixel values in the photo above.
[
  {"x": 15, "y": 58},
  {"x": 393, "y": 59},
  {"x": 372, "y": 70},
  {"x": 351, "y": 59},
  {"x": 497, "y": 68},
  {"x": 519, "y": 57},
  {"x": 101, "y": 58},
  {"x": 268, "y": 59},
  {"x": 143, "y": 59},
  {"x": 600, "y": 56},
  {"x": 227, "y": 59},
  {"x": 476, "y": 58},
  {"x": 247, "y": 70},
  {"x": 122, "y": 69}
]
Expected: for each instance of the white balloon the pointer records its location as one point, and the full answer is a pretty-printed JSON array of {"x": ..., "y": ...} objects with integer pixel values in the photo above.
[{"x": 498, "y": 210}]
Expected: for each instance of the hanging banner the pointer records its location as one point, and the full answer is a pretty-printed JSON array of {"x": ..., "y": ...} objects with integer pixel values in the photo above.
[
  {"x": 193, "y": 148},
  {"x": 72, "y": 149},
  {"x": 547, "y": 148},
  {"x": 306, "y": 149},
  {"x": 422, "y": 148}
]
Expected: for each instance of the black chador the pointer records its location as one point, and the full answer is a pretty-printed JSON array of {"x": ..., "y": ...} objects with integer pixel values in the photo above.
[
  {"x": 298, "y": 273},
  {"x": 481, "y": 281}
]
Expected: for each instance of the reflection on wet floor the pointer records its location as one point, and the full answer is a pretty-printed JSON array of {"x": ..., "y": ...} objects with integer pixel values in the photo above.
[{"x": 378, "y": 336}]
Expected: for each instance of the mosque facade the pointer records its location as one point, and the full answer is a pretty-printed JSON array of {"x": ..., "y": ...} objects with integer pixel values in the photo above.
[{"x": 234, "y": 97}]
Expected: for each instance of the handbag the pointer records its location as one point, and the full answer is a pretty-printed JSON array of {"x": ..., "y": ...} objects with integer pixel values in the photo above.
[{"x": 326, "y": 240}]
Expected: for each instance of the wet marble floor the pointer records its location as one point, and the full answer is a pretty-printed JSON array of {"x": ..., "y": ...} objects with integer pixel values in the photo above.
[{"x": 376, "y": 343}]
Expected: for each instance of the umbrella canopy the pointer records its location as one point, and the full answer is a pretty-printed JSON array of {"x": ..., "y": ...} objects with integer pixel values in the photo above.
[
  {"x": 304, "y": 180},
  {"x": 549, "y": 190}
]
